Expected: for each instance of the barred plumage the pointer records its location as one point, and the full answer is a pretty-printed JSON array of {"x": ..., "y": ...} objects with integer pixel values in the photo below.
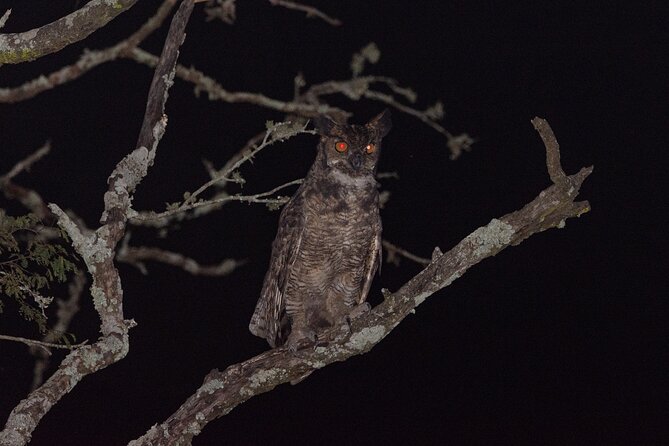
[{"x": 328, "y": 244}]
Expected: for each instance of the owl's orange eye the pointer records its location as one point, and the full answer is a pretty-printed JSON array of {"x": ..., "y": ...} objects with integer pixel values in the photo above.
[
  {"x": 341, "y": 146},
  {"x": 370, "y": 148}
]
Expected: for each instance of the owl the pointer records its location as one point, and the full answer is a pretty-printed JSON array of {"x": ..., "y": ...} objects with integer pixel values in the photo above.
[{"x": 328, "y": 244}]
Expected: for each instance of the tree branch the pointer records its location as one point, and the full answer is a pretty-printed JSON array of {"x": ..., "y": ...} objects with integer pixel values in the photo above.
[
  {"x": 87, "y": 61},
  {"x": 262, "y": 197},
  {"x": 26, "y": 163},
  {"x": 38, "y": 42},
  {"x": 29, "y": 198},
  {"x": 35, "y": 342},
  {"x": 215, "y": 91},
  {"x": 395, "y": 251},
  {"x": 4, "y": 18},
  {"x": 309, "y": 10},
  {"x": 223, "y": 391},
  {"x": 275, "y": 132},
  {"x": 136, "y": 256},
  {"x": 97, "y": 250},
  {"x": 553, "y": 154}
]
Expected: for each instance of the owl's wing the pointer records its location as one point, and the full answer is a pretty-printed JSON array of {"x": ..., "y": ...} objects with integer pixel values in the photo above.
[
  {"x": 269, "y": 316},
  {"x": 372, "y": 262}
]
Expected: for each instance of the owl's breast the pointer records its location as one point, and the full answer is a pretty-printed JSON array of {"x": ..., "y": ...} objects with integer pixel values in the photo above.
[{"x": 341, "y": 226}]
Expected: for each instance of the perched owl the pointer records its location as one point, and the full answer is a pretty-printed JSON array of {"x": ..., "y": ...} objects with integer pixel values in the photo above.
[{"x": 328, "y": 245}]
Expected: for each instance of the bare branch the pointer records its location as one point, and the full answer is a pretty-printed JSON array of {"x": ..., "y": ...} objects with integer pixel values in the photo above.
[
  {"x": 552, "y": 149},
  {"x": 27, "y": 197},
  {"x": 395, "y": 251},
  {"x": 32, "y": 342},
  {"x": 26, "y": 163},
  {"x": 250, "y": 145},
  {"x": 87, "y": 61},
  {"x": 422, "y": 115},
  {"x": 261, "y": 197},
  {"x": 276, "y": 132},
  {"x": 4, "y": 18},
  {"x": 223, "y": 391},
  {"x": 215, "y": 91},
  {"x": 360, "y": 86},
  {"x": 309, "y": 10},
  {"x": 136, "y": 256},
  {"x": 38, "y": 42}
]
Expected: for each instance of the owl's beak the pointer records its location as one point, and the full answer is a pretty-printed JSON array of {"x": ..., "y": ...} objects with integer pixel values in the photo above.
[{"x": 356, "y": 160}]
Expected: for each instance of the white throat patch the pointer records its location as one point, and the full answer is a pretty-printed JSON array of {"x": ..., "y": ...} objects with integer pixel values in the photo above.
[{"x": 348, "y": 180}]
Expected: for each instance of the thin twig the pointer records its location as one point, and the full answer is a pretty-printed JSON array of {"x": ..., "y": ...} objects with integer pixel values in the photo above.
[
  {"x": 27, "y": 162},
  {"x": 309, "y": 10},
  {"x": 136, "y": 256},
  {"x": 4, "y": 18},
  {"x": 215, "y": 91},
  {"x": 389, "y": 100},
  {"x": 31, "y": 342},
  {"x": 248, "y": 155},
  {"x": 359, "y": 87},
  {"x": 276, "y": 133},
  {"x": 257, "y": 198},
  {"x": 394, "y": 250},
  {"x": 29, "y": 198},
  {"x": 232, "y": 161}
]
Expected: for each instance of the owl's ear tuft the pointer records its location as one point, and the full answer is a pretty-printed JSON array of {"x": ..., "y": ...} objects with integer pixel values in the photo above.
[
  {"x": 381, "y": 123},
  {"x": 324, "y": 125}
]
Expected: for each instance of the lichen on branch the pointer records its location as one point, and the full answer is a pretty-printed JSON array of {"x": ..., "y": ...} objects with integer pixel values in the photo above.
[{"x": 30, "y": 45}]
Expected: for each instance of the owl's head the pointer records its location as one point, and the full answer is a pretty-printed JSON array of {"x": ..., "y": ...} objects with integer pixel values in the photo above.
[{"x": 352, "y": 149}]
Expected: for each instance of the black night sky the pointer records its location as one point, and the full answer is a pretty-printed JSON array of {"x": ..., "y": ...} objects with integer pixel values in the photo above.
[{"x": 559, "y": 341}]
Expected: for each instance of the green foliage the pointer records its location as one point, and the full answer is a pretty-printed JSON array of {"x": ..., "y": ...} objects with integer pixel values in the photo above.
[{"x": 29, "y": 264}]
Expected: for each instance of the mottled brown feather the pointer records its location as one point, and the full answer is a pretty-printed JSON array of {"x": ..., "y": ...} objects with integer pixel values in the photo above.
[{"x": 328, "y": 244}]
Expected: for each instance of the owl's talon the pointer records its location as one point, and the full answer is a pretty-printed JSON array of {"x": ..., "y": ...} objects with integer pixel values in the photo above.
[
  {"x": 301, "y": 338},
  {"x": 359, "y": 310}
]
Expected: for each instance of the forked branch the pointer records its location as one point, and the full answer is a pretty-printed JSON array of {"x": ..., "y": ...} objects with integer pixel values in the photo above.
[{"x": 97, "y": 251}]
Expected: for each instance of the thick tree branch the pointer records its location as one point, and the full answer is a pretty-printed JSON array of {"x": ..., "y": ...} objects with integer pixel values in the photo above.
[
  {"x": 223, "y": 391},
  {"x": 97, "y": 250},
  {"x": 38, "y": 42}
]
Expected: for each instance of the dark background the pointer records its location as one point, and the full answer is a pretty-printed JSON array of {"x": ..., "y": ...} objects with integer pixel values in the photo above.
[{"x": 560, "y": 341}]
